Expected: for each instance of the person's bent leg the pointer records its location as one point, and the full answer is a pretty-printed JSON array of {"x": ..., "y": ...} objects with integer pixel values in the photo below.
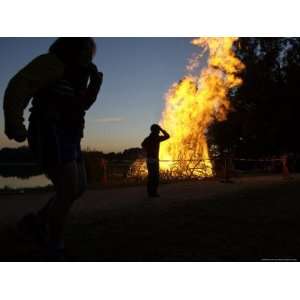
[
  {"x": 53, "y": 175},
  {"x": 67, "y": 190}
]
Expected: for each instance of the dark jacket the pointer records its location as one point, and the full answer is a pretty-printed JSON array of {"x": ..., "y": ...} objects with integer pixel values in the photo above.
[{"x": 60, "y": 93}]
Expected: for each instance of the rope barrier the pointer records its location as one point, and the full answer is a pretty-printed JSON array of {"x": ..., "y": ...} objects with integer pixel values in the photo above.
[{"x": 160, "y": 160}]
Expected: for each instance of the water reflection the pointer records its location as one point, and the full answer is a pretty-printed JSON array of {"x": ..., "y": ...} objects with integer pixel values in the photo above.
[{"x": 31, "y": 182}]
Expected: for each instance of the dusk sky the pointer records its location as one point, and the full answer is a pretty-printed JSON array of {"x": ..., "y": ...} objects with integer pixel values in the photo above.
[{"x": 137, "y": 74}]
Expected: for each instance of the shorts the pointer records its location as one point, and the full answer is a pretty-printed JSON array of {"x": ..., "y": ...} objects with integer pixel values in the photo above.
[{"x": 53, "y": 145}]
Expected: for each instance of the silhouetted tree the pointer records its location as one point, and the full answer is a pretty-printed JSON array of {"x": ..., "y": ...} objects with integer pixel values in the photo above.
[{"x": 264, "y": 118}]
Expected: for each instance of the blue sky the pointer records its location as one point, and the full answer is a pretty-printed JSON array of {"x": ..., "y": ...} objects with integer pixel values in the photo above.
[{"x": 137, "y": 74}]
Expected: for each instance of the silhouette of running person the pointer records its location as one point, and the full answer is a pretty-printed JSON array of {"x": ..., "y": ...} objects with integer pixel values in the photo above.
[
  {"x": 63, "y": 83},
  {"x": 151, "y": 146}
]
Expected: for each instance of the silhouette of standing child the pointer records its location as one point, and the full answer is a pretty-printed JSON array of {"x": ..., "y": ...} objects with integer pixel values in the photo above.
[
  {"x": 151, "y": 146},
  {"x": 63, "y": 83}
]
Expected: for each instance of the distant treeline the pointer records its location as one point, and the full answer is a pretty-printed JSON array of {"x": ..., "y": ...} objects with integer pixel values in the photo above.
[{"x": 20, "y": 162}]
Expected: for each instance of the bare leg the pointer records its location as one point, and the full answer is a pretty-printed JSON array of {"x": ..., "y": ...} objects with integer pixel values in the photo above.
[
  {"x": 66, "y": 185},
  {"x": 82, "y": 183}
]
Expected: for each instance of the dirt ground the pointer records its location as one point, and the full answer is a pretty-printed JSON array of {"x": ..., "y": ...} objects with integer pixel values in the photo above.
[{"x": 252, "y": 219}]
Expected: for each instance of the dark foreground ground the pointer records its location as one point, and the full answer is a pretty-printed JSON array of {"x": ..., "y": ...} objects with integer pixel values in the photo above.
[{"x": 253, "y": 219}]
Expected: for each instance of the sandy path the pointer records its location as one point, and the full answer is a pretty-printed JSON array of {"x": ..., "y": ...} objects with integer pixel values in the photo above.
[
  {"x": 250, "y": 219},
  {"x": 12, "y": 207}
]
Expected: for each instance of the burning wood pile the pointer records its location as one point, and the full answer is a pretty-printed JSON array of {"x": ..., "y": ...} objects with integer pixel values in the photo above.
[{"x": 192, "y": 105}]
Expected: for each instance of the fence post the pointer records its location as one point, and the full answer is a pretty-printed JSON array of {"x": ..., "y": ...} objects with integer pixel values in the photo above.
[
  {"x": 285, "y": 168},
  {"x": 103, "y": 166},
  {"x": 227, "y": 169}
]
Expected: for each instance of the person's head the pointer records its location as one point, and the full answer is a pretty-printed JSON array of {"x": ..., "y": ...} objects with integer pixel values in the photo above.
[
  {"x": 74, "y": 50},
  {"x": 155, "y": 129}
]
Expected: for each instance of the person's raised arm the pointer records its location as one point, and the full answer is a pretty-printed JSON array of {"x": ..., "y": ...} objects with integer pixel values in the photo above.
[
  {"x": 42, "y": 71},
  {"x": 165, "y": 135},
  {"x": 89, "y": 96}
]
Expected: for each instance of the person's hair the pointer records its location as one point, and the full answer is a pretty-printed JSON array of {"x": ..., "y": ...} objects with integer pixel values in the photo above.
[
  {"x": 66, "y": 48},
  {"x": 154, "y": 128}
]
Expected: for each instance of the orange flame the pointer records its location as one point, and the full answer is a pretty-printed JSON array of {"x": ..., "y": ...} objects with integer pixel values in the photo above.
[{"x": 194, "y": 103}]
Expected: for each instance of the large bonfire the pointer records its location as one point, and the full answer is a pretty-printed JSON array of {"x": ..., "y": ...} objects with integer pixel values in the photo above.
[{"x": 192, "y": 104}]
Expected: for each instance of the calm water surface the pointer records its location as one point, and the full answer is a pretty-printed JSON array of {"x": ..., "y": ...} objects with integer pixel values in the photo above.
[{"x": 31, "y": 182}]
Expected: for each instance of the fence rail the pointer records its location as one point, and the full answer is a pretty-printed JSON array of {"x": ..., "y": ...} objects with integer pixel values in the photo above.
[{"x": 101, "y": 170}]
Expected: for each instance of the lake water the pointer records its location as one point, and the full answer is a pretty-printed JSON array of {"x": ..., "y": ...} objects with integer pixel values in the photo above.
[{"x": 31, "y": 182}]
